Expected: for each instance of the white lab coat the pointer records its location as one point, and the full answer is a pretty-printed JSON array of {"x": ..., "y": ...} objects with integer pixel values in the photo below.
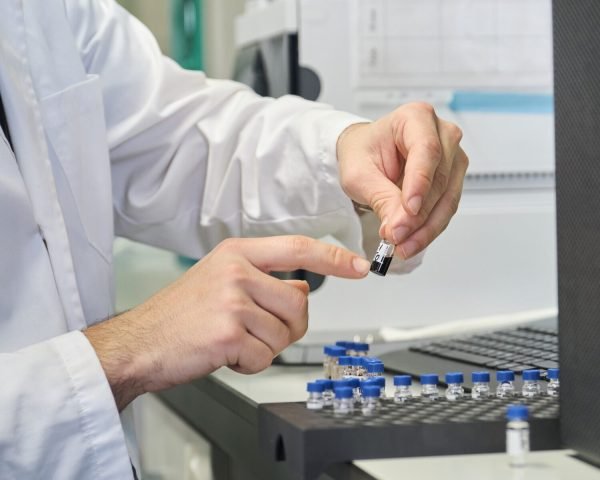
[{"x": 108, "y": 132}]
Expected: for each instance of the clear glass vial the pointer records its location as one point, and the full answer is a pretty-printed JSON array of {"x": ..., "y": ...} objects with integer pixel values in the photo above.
[
  {"x": 358, "y": 367},
  {"x": 345, "y": 366},
  {"x": 330, "y": 361},
  {"x": 343, "y": 403},
  {"x": 327, "y": 391},
  {"x": 354, "y": 384},
  {"x": 429, "y": 387},
  {"x": 380, "y": 382},
  {"x": 402, "y": 392},
  {"x": 481, "y": 385},
  {"x": 455, "y": 390},
  {"x": 553, "y": 387},
  {"x": 315, "y": 396},
  {"x": 370, "y": 402},
  {"x": 517, "y": 434},
  {"x": 531, "y": 383},
  {"x": 506, "y": 386},
  {"x": 374, "y": 369}
]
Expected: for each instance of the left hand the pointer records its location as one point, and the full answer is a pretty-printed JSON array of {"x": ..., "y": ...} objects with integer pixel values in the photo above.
[{"x": 409, "y": 167}]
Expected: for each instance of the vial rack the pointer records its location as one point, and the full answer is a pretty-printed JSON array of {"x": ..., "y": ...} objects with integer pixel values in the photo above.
[{"x": 308, "y": 441}]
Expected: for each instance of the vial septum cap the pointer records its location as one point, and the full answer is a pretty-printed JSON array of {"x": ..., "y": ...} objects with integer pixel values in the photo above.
[
  {"x": 380, "y": 381},
  {"x": 344, "y": 360},
  {"x": 402, "y": 380},
  {"x": 375, "y": 367},
  {"x": 531, "y": 374},
  {"x": 327, "y": 384},
  {"x": 454, "y": 377},
  {"x": 343, "y": 392},
  {"x": 315, "y": 387},
  {"x": 371, "y": 391},
  {"x": 553, "y": 373},
  {"x": 353, "y": 382},
  {"x": 505, "y": 376},
  {"x": 344, "y": 382},
  {"x": 334, "y": 350},
  {"x": 480, "y": 377},
  {"x": 345, "y": 344},
  {"x": 517, "y": 412},
  {"x": 357, "y": 361},
  {"x": 429, "y": 379},
  {"x": 361, "y": 347}
]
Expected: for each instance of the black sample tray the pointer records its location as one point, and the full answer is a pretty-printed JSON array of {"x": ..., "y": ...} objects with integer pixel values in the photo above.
[{"x": 310, "y": 440}]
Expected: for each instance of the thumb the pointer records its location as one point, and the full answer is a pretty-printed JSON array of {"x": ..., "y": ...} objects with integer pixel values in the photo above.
[{"x": 301, "y": 285}]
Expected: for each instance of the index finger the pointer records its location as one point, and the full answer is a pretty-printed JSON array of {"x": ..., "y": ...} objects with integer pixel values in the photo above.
[
  {"x": 291, "y": 252},
  {"x": 423, "y": 151}
]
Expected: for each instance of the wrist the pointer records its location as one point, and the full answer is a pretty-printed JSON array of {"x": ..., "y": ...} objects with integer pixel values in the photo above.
[{"x": 115, "y": 346}]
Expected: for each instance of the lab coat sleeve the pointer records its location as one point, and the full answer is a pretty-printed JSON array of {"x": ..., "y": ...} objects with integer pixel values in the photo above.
[
  {"x": 196, "y": 160},
  {"x": 59, "y": 418}
]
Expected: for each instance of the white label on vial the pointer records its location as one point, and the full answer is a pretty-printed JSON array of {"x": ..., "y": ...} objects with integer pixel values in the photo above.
[{"x": 517, "y": 441}]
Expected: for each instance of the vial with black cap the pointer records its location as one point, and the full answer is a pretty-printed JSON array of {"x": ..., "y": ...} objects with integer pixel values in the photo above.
[{"x": 383, "y": 258}]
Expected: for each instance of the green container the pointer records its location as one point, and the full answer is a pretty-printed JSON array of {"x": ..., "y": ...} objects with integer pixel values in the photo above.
[{"x": 186, "y": 33}]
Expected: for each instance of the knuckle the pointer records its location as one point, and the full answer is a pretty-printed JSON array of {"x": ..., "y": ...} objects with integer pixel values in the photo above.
[
  {"x": 464, "y": 159},
  {"x": 453, "y": 204},
  {"x": 433, "y": 147},
  {"x": 424, "y": 107},
  {"x": 456, "y": 134},
  {"x": 235, "y": 274},
  {"x": 261, "y": 359},
  {"x": 440, "y": 181},
  {"x": 300, "y": 245},
  {"x": 231, "y": 336}
]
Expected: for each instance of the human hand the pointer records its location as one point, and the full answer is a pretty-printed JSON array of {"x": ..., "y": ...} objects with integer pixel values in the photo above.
[
  {"x": 225, "y": 311},
  {"x": 409, "y": 168}
]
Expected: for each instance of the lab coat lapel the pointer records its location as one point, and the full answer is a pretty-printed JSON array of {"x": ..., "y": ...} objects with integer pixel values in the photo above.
[{"x": 23, "y": 113}]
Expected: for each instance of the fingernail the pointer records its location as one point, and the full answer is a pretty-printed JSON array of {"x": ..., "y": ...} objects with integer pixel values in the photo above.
[
  {"x": 409, "y": 248},
  {"x": 414, "y": 204},
  {"x": 400, "y": 233},
  {"x": 361, "y": 265}
]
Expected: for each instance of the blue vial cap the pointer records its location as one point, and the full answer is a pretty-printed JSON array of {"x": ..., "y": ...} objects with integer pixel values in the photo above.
[
  {"x": 327, "y": 384},
  {"x": 375, "y": 367},
  {"x": 345, "y": 382},
  {"x": 429, "y": 379},
  {"x": 361, "y": 346},
  {"x": 505, "y": 376},
  {"x": 353, "y": 382},
  {"x": 517, "y": 412},
  {"x": 334, "y": 350},
  {"x": 454, "y": 377},
  {"x": 344, "y": 344},
  {"x": 357, "y": 361},
  {"x": 480, "y": 377},
  {"x": 531, "y": 374},
  {"x": 372, "y": 360},
  {"x": 371, "y": 391},
  {"x": 314, "y": 387},
  {"x": 344, "y": 360},
  {"x": 404, "y": 380},
  {"x": 380, "y": 381},
  {"x": 343, "y": 392},
  {"x": 553, "y": 373}
]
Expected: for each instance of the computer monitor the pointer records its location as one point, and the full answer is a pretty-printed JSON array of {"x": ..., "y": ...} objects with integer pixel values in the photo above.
[{"x": 577, "y": 122}]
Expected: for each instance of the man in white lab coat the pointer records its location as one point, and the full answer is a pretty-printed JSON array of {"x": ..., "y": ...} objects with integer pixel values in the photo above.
[{"x": 103, "y": 137}]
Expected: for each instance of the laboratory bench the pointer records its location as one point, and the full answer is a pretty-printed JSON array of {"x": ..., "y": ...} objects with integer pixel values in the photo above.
[{"x": 224, "y": 409}]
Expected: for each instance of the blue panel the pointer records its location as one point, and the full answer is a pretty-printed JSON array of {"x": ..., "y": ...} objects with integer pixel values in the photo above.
[{"x": 502, "y": 102}]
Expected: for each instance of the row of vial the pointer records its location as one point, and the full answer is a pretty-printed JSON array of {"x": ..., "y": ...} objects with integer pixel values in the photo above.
[
  {"x": 343, "y": 355},
  {"x": 343, "y": 394}
]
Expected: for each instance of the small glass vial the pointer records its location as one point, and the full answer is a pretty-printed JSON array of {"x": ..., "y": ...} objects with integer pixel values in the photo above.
[
  {"x": 383, "y": 258},
  {"x": 380, "y": 382},
  {"x": 370, "y": 402},
  {"x": 553, "y": 384},
  {"x": 402, "y": 393},
  {"x": 506, "y": 387},
  {"x": 315, "y": 396},
  {"x": 354, "y": 384},
  {"x": 481, "y": 385},
  {"x": 332, "y": 352},
  {"x": 343, "y": 403},
  {"x": 455, "y": 390},
  {"x": 531, "y": 383},
  {"x": 429, "y": 388},
  {"x": 361, "y": 348},
  {"x": 327, "y": 391},
  {"x": 517, "y": 434},
  {"x": 336, "y": 353},
  {"x": 374, "y": 369},
  {"x": 345, "y": 366},
  {"x": 357, "y": 367}
]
